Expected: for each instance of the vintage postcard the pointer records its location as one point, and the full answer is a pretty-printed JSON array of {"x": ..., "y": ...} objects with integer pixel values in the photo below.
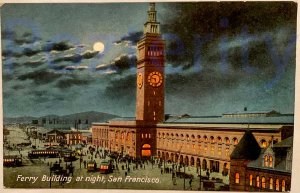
[{"x": 189, "y": 96}]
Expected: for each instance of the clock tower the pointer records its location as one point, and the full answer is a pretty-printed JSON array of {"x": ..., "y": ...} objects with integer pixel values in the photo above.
[{"x": 150, "y": 72}]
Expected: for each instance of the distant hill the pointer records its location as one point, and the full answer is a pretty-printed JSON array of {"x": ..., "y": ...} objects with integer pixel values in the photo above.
[
  {"x": 80, "y": 118},
  {"x": 25, "y": 119}
]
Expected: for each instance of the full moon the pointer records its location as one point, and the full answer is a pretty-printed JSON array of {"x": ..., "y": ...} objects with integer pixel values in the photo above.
[{"x": 99, "y": 46}]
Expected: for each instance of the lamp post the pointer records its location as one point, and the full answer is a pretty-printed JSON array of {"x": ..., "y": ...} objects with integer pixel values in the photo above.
[
  {"x": 164, "y": 160},
  {"x": 50, "y": 173},
  {"x": 184, "y": 175},
  {"x": 200, "y": 176}
]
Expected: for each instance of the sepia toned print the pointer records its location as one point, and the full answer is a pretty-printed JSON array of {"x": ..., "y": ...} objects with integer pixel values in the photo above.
[{"x": 155, "y": 96}]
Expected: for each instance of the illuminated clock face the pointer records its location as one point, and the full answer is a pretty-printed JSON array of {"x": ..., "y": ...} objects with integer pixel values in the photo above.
[
  {"x": 140, "y": 80},
  {"x": 155, "y": 79}
]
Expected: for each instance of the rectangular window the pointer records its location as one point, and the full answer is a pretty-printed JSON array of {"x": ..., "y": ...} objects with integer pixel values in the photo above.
[
  {"x": 212, "y": 150},
  {"x": 205, "y": 149},
  {"x": 237, "y": 178},
  {"x": 219, "y": 150},
  {"x": 227, "y": 152},
  {"x": 257, "y": 181}
]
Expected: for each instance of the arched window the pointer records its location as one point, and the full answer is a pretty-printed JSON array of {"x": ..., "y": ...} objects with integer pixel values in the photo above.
[
  {"x": 235, "y": 141},
  {"x": 263, "y": 182},
  {"x": 270, "y": 161},
  {"x": 257, "y": 181},
  {"x": 283, "y": 185},
  {"x": 266, "y": 161},
  {"x": 146, "y": 146},
  {"x": 271, "y": 183},
  {"x": 212, "y": 139},
  {"x": 187, "y": 137},
  {"x": 277, "y": 185},
  {"x": 227, "y": 140},
  {"x": 251, "y": 180},
  {"x": 263, "y": 143},
  {"x": 193, "y": 147},
  {"x": 237, "y": 178},
  {"x": 199, "y": 138}
]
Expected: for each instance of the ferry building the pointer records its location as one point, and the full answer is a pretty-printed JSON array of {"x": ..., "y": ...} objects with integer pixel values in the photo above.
[{"x": 190, "y": 140}]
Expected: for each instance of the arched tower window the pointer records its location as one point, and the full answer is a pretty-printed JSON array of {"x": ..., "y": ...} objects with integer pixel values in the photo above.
[
  {"x": 283, "y": 185},
  {"x": 277, "y": 185},
  {"x": 257, "y": 181},
  {"x": 251, "y": 180},
  {"x": 271, "y": 184},
  {"x": 237, "y": 178},
  {"x": 263, "y": 182}
]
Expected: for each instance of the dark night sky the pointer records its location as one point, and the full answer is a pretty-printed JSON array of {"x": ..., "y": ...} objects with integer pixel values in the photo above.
[{"x": 220, "y": 57}]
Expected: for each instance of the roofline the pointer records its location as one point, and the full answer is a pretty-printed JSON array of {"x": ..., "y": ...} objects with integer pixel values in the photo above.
[
  {"x": 269, "y": 169},
  {"x": 223, "y": 125}
]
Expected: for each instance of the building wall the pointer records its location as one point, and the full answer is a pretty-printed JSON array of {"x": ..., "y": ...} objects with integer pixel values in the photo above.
[
  {"x": 211, "y": 146},
  {"x": 258, "y": 184},
  {"x": 238, "y": 175},
  {"x": 206, "y": 147},
  {"x": 73, "y": 138},
  {"x": 100, "y": 136}
]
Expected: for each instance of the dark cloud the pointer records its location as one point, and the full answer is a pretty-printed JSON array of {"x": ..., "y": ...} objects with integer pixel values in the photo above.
[
  {"x": 89, "y": 54},
  {"x": 10, "y": 53},
  {"x": 57, "y": 46},
  {"x": 40, "y": 76},
  {"x": 8, "y": 34},
  {"x": 34, "y": 64},
  {"x": 7, "y": 77},
  {"x": 103, "y": 67},
  {"x": 58, "y": 66},
  {"x": 132, "y": 37},
  {"x": 124, "y": 62},
  {"x": 75, "y": 58},
  {"x": 18, "y": 87},
  {"x": 25, "y": 52},
  {"x": 67, "y": 83},
  {"x": 202, "y": 84},
  {"x": 122, "y": 89},
  {"x": 30, "y": 52},
  {"x": 26, "y": 38},
  {"x": 191, "y": 28}
]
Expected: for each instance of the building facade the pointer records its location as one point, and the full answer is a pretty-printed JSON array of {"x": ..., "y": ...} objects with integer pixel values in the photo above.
[
  {"x": 268, "y": 169},
  {"x": 205, "y": 142}
]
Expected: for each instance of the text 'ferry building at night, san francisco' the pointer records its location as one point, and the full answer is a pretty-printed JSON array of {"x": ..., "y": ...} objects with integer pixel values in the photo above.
[{"x": 194, "y": 141}]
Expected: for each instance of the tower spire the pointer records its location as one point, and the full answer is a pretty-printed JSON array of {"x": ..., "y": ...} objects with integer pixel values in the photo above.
[{"x": 151, "y": 26}]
